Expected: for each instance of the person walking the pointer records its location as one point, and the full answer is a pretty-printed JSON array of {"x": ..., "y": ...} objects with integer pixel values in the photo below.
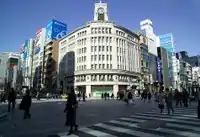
[
  {"x": 26, "y": 104},
  {"x": 11, "y": 99},
  {"x": 185, "y": 98},
  {"x": 169, "y": 100},
  {"x": 161, "y": 101},
  {"x": 71, "y": 107}
]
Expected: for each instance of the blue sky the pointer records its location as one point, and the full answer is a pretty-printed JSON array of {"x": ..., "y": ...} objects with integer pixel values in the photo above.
[{"x": 20, "y": 19}]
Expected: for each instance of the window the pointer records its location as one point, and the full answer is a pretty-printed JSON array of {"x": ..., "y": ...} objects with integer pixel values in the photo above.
[
  {"x": 92, "y": 57},
  {"x": 92, "y": 49},
  {"x": 110, "y": 30},
  {"x": 107, "y": 58},
  {"x": 95, "y": 57},
  {"x": 95, "y": 48},
  {"x": 99, "y": 48},
  {"x": 84, "y": 49},
  {"x": 103, "y": 66},
  {"x": 110, "y": 49},
  {"x": 103, "y": 57},
  {"x": 110, "y": 57},
  {"x": 108, "y": 66},
  {"x": 107, "y": 48},
  {"x": 99, "y": 57},
  {"x": 102, "y": 48},
  {"x": 92, "y": 66}
]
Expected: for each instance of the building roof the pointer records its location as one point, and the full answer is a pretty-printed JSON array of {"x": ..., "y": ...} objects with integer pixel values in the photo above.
[{"x": 90, "y": 22}]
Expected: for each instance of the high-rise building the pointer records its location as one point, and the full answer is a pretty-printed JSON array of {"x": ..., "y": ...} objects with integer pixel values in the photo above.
[
  {"x": 38, "y": 57},
  {"x": 55, "y": 31},
  {"x": 12, "y": 68},
  {"x": 26, "y": 62},
  {"x": 167, "y": 42},
  {"x": 147, "y": 27},
  {"x": 100, "y": 56},
  {"x": 143, "y": 41},
  {"x": 163, "y": 58}
]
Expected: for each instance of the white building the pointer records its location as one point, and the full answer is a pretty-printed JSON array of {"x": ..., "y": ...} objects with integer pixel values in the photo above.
[
  {"x": 196, "y": 74},
  {"x": 100, "y": 56},
  {"x": 153, "y": 41},
  {"x": 38, "y": 53}
]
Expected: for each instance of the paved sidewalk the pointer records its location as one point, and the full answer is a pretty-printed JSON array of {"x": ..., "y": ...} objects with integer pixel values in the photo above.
[{"x": 3, "y": 112}]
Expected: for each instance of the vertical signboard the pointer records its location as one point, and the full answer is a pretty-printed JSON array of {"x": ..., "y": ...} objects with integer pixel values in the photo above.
[
  {"x": 158, "y": 70},
  {"x": 38, "y": 41},
  {"x": 55, "y": 30}
]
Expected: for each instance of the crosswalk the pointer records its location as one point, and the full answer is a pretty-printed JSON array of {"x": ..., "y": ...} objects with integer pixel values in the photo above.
[{"x": 183, "y": 123}]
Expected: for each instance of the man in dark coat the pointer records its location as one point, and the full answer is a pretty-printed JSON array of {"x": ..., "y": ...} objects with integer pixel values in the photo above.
[
  {"x": 71, "y": 107},
  {"x": 26, "y": 104},
  {"x": 11, "y": 99}
]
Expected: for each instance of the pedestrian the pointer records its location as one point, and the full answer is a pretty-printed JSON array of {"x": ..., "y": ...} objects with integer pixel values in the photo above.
[
  {"x": 26, "y": 104},
  {"x": 169, "y": 100},
  {"x": 112, "y": 96},
  {"x": 161, "y": 101},
  {"x": 79, "y": 96},
  {"x": 185, "y": 98},
  {"x": 71, "y": 107},
  {"x": 105, "y": 95},
  {"x": 149, "y": 96},
  {"x": 11, "y": 99}
]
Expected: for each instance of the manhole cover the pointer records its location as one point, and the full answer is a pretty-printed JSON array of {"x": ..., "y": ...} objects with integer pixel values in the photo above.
[{"x": 152, "y": 124}]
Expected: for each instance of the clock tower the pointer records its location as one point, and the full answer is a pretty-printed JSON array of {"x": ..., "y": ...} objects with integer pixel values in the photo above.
[{"x": 101, "y": 11}]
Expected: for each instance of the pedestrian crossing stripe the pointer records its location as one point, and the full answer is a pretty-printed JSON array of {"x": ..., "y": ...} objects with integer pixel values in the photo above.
[{"x": 183, "y": 123}]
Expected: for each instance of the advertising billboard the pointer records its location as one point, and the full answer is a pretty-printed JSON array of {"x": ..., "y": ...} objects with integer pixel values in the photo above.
[
  {"x": 56, "y": 30},
  {"x": 166, "y": 41},
  {"x": 38, "y": 41},
  {"x": 158, "y": 70},
  {"x": 22, "y": 49}
]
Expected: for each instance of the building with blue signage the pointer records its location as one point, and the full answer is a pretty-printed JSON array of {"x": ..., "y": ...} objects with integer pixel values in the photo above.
[
  {"x": 167, "y": 42},
  {"x": 55, "y": 30}
]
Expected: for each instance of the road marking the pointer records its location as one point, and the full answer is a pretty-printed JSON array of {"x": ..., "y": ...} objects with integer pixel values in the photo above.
[{"x": 96, "y": 133}]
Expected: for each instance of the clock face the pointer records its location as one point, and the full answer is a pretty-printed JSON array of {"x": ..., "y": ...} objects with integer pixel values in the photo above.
[{"x": 100, "y": 10}]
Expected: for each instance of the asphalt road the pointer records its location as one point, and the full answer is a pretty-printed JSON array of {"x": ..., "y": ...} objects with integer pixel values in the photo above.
[{"x": 49, "y": 118}]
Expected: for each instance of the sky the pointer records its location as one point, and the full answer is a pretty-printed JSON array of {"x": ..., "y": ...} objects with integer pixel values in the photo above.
[{"x": 20, "y": 19}]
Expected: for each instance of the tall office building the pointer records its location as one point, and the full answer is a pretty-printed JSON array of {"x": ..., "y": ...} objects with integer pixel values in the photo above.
[
  {"x": 163, "y": 74},
  {"x": 147, "y": 27},
  {"x": 55, "y": 31},
  {"x": 167, "y": 42},
  {"x": 38, "y": 57},
  {"x": 12, "y": 66},
  {"x": 26, "y": 62}
]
